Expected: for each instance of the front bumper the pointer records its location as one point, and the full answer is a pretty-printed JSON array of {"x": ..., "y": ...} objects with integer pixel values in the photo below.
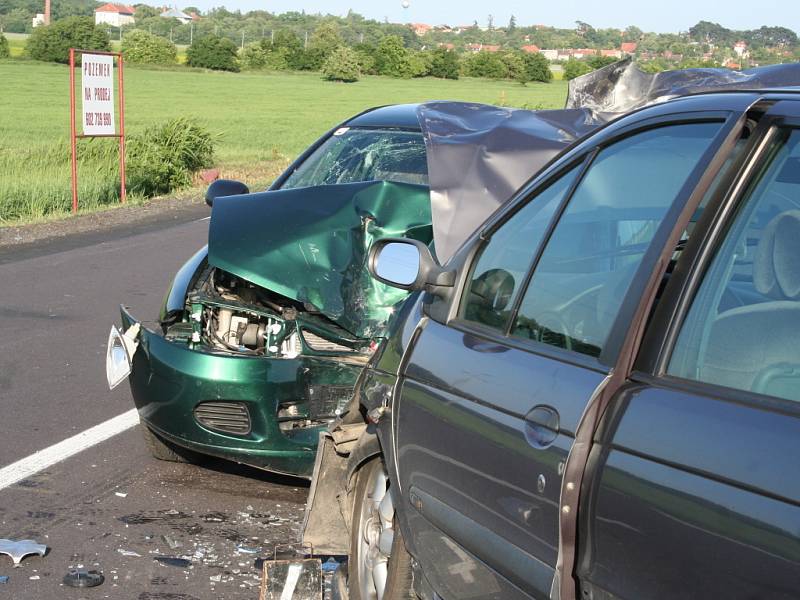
[{"x": 168, "y": 380}]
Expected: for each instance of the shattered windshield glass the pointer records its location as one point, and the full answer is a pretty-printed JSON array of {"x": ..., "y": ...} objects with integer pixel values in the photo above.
[{"x": 355, "y": 155}]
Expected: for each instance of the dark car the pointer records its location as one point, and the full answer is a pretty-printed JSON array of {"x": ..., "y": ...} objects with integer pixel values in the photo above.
[
  {"x": 598, "y": 396},
  {"x": 264, "y": 331}
]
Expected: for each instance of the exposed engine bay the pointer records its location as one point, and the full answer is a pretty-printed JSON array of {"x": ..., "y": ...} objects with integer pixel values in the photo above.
[{"x": 225, "y": 313}]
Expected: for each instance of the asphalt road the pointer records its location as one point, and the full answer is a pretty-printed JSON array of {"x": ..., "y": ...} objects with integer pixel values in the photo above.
[{"x": 112, "y": 507}]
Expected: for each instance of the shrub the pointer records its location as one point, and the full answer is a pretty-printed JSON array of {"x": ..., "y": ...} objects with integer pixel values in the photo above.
[
  {"x": 52, "y": 42},
  {"x": 255, "y": 55},
  {"x": 342, "y": 65},
  {"x": 213, "y": 52},
  {"x": 486, "y": 64},
  {"x": 142, "y": 47},
  {"x": 537, "y": 67},
  {"x": 598, "y": 62},
  {"x": 366, "y": 58},
  {"x": 165, "y": 156},
  {"x": 4, "y": 51},
  {"x": 392, "y": 58},
  {"x": 444, "y": 64},
  {"x": 575, "y": 68}
]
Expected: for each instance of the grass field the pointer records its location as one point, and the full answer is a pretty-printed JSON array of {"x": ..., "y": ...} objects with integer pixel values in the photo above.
[{"x": 261, "y": 119}]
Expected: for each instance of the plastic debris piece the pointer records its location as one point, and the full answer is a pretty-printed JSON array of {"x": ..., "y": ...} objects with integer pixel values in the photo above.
[
  {"x": 173, "y": 561},
  {"x": 120, "y": 494},
  {"x": 20, "y": 549},
  {"x": 81, "y": 578},
  {"x": 128, "y": 553},
  {"x": 330, "y": 565},
  {"x": 246, "y": 549},
  {"x": 34, "y": 578},
  {"x": 3, "y": 579},
  {"x": 171, "y": 542}
]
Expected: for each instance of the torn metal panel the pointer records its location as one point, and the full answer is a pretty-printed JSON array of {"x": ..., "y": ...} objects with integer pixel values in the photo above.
[
  {"x": 18, "y": 550},
  {"x": 310, "y": 245},
  {"x": 623, "y": 86},
  {"x": 479, "y": 155}
]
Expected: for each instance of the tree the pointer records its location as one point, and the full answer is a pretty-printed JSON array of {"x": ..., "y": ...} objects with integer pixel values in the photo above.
[
  {"x": 512, "y": 24},
  {"x": 392, "y": 58},
  {"x": 342, "y": 65},
  {"x": 141, "y": 47},
  {"x": 325, "y": 39},
  {"x": 598, "y": 61},
  {"x": 52, "y": 42},
  {"x": 537, "y": 67},
  {"x": 4, "y": 51},
  {"x": 143, "y": 11},
  {"x": 486, "y": 64},
  {"x": 444, "y": 64},
  {"x": 575, "y": 68},
  {"x": 213, "y": 52}
]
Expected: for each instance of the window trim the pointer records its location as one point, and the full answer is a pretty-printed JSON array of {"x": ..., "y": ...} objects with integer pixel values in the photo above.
[
  {"x": 586, "y": 156},
  {"x": 712, "y": 228}
]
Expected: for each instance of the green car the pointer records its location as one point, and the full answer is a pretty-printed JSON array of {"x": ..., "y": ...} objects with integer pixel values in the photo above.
[{"x": 265, "y": 331}]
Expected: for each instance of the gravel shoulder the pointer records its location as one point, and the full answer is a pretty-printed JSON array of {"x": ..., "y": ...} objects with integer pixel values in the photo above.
[{"x": 37, "y": 239}]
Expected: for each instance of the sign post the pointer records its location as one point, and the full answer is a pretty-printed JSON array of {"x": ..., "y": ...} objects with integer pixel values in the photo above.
[{"x": 97, "y": 107}]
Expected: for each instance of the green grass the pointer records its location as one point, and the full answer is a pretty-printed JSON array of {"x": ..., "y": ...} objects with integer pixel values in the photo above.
[{"x": 261, "y": 119}]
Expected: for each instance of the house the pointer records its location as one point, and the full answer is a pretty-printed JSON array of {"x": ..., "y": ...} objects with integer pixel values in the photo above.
[
  {"x": 550, "y": 55},
  {"x": 115, "y": 15},
  {"x": 531, "y": 48},
  {"x": 447, "y": 46},
  {"x": 611, "y": 53},
  {"x": 38, "y": 20},
  {"x": 740, "y": 48},
  {"x": 174, "y": 13},
  {"x": 421, "y": 28},
  {"x": 628, "y": 47},
  {"x": 482, "y": 48}
]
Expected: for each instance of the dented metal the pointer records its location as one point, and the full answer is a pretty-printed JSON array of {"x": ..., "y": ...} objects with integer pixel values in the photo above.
[{"x": 18, "y": 550}]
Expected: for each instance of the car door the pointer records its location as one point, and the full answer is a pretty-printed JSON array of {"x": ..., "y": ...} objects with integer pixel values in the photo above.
[
  {"x": 490, "y": 401},
  {"x": 695, "y": 484}
]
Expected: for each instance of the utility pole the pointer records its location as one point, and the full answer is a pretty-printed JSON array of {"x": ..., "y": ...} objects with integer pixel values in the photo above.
[
  {"x": 242, "y": 40},
  {"x": 272, "y": 38},
  {"x": 47, "y": 12},
  {"x": 305, "y": 44},
  {"x": 191, "y": 33}
]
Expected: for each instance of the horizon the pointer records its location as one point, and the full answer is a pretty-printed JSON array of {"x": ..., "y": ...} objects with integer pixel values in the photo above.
[{"x": 676, "y": 17}]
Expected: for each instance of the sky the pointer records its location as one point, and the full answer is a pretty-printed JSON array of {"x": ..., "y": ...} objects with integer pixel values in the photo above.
[{"x": 660, "y": 15}]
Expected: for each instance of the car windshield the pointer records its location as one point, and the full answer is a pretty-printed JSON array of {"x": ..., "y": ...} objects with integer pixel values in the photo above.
[{"x": 352, "y": 154}]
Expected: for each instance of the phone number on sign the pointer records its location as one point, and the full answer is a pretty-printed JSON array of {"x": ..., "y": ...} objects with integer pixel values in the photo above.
[{"x": 99, "y": 119}]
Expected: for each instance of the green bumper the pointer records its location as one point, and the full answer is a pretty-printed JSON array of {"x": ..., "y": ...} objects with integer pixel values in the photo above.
[{"x": 168, "y": 380}]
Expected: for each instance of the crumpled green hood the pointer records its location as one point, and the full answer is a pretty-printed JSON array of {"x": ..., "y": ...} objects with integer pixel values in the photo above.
[{"x": 311, "y": 244}]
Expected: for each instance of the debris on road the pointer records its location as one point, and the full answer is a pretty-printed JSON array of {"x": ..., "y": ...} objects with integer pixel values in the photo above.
[
  {"x": 3, "y": 579},
  {"x": 18, "y": 550},
  {"x": 81, "y": 578},
  {"x": 173, "y": 561},
  {"x": 129, "y": 553}
]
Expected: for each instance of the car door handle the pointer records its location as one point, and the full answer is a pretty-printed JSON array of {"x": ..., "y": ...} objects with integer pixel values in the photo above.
[{"x": 541, "y": 426}]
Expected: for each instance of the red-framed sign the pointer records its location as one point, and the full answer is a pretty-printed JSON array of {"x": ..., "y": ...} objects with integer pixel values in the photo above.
[{"x": 97, "y": 107}]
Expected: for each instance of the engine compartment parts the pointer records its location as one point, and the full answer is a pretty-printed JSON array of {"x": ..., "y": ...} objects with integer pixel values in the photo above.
[
  {"x": 225, "y": 313},
  {"x": 18, "y": 550}
]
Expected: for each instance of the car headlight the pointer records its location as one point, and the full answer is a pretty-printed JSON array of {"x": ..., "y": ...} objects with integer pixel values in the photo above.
[{"x": 119, "y": 354}]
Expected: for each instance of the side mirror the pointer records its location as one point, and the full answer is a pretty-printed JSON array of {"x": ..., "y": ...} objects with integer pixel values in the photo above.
[
  {"x": 407, "y": 264},
  {"x": 225, "y": 187}
]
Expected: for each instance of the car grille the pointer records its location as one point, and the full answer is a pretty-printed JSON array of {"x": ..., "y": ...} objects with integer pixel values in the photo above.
[
  {"x": 225, "y": 417},
  {"x": 324, "y": 400},
  {"x": 320, "y": 344}
]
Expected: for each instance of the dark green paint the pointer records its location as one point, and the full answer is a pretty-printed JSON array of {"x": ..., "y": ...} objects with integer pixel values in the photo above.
[
  {"x": 169, "y": 379},
  {"x": 311, "y": 244}
]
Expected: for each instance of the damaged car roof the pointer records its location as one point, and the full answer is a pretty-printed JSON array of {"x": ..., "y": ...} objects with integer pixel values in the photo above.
[{"x": 311, "y": 244}]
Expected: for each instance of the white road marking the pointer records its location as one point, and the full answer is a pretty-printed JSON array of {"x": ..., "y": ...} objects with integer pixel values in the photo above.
[
  {"x": 43, "y": 459},
  {"x": 203, "y": 219}
]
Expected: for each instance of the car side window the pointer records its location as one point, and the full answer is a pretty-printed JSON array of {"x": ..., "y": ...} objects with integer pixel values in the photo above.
[
  {"x": 506, "y": 258},
  {"x": 742, "y": 328},
  {"x": 581, "y": 279}
]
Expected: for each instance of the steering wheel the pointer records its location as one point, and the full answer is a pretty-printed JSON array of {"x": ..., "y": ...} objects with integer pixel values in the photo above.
[{"x": 553, "y": 328}]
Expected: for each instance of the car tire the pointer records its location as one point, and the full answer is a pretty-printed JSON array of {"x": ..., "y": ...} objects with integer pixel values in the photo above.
[
  {"x": 373, "y": 519},
  {"x": 161, "y": 449}
]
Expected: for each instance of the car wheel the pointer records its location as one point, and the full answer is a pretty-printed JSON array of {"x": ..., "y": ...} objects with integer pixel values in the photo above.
[
  {"x": 164, "y": 450},
  {"x": 380, "y": 566}
]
